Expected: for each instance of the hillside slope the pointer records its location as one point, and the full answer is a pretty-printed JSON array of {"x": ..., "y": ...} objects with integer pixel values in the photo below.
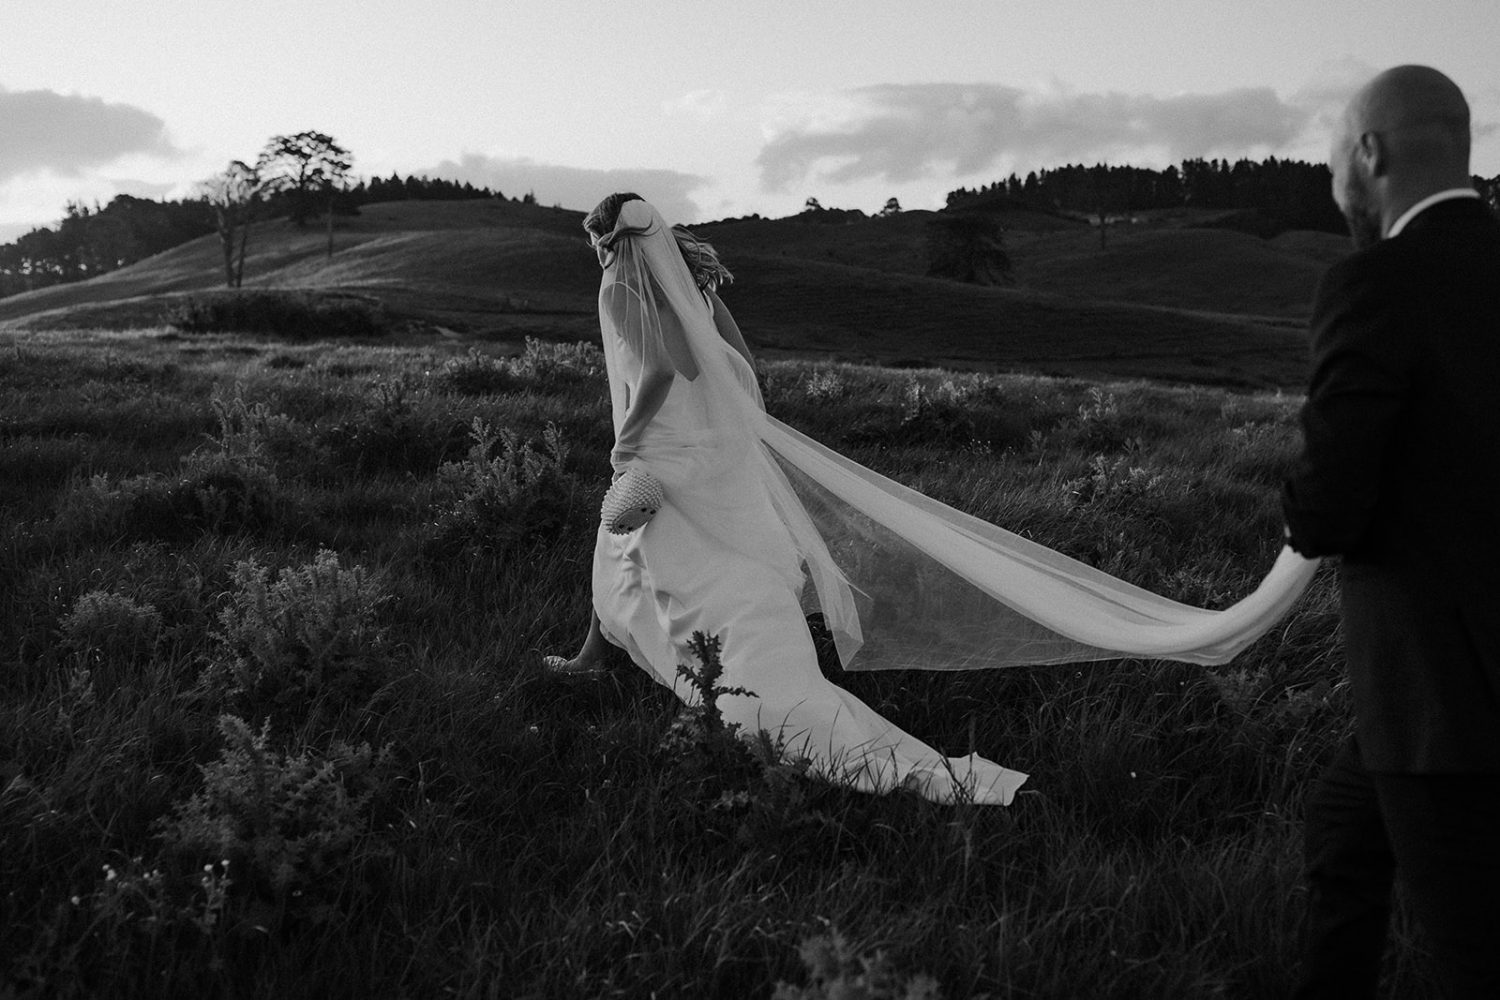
[{"x": 1161, "y": 301}]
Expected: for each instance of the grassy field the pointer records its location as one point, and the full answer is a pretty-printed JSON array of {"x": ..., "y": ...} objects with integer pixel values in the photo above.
[{"x": 272, "y": 722}]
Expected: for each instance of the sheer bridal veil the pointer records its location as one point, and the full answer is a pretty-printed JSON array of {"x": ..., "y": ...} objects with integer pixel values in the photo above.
[{"x": 902, "y": 580}]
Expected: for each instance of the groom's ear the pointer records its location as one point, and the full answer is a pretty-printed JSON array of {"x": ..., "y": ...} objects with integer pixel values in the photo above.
[{"x": 1373, "y": 152}]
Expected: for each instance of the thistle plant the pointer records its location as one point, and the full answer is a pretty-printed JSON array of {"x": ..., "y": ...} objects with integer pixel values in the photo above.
[{"x": 705, "y": 682}]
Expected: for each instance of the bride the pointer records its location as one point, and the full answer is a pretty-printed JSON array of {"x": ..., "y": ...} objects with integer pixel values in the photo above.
[{"x": 761, "y": 526}]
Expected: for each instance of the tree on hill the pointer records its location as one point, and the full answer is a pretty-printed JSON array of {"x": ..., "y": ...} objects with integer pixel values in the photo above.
[
  {"x": 968, "y": 247},
  {"x": 413, "y": 188},
  {"x": 1264, "y": 198},
  {"x": 814, "y": 211},
  {"x": 234, "y": 194},
  {"x": 90, "y": 241},
  {"x": 307, "y": 167},
  {"x": 892, "y": 207}
]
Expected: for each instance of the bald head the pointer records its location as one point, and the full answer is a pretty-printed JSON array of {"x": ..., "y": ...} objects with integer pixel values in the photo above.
[
  {"x": 1422, "y": 110},
  {"x": 1405, "y": 135}
]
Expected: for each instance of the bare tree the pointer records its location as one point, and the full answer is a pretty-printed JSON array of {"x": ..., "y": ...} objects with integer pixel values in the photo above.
[
  {"x": 234, "y": 195},
  {"x": 305, "y": 166}
]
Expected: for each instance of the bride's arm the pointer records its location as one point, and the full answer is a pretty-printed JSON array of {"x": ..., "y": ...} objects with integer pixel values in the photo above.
[
  {"x": 730, "y": 331},
  {"x": 728, "y": 328},
  {"x": 650, "y": 392}
]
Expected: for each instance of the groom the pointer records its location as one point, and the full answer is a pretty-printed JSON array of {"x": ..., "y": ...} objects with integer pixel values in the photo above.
[{"x": 1400, "y": 475}]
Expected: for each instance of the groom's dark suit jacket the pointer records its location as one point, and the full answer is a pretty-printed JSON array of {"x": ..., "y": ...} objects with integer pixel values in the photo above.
[{"x": 1400, "y": 474}]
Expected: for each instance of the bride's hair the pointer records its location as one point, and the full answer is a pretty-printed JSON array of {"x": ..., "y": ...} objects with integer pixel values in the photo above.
[{"x": 700, "y": 256}]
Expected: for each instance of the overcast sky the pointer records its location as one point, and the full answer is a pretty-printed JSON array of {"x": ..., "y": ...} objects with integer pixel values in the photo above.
[{"x": 709, "y": 109}]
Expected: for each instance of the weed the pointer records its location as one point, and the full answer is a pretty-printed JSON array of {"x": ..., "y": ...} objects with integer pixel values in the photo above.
[
  {"x": 288, "y": 822},
  {"x": 1112, "y": 484},
  {"x": 742, "y": 787},
  {"x": 825, "y": 385},
  {"x": 1097, "y": 425},
  {"x": 504, "y": 493},
  {"x": 836, "y": 971},
  {"x": 475, "y": 374},
  {"x": 107, "y": 627},
  {"x": 313, "y": 637},
  {"x": 547, "y": 363},
  {"x": 390, "y": 432}
]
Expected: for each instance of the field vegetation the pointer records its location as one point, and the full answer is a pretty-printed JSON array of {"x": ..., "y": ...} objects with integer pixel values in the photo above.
[{"x": 273, "y": 723}]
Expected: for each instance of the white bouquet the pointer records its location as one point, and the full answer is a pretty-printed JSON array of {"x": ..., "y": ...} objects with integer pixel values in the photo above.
[{"x": 632, "y": 501}]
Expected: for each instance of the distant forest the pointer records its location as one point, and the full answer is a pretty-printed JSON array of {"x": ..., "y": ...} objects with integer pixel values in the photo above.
[
  {"x": 1266, "y": 197},
  {"x": 92, "y": 241}
]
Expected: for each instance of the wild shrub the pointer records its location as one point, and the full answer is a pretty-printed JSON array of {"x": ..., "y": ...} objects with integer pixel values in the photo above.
[
  {"x": 922, "y": 416},
  {"x": 1097, "y": 424},
  {"x": 227, "y": 484},
  {"x": 390, "y": 433},
  {"x": 286, "y": 823},
  {"x": 1113, "y": 484},
  {"x": 295, "y": 315},
  {"x": 311, "y": 638},
  {"x": 107, "y": 627},
  {"x": 549, "y": 363},
  {"x": 163, "y": 507},
  {"x": 250, "y": 438},
  {"x": 836, "y": 971},
  {"x": 475, "y": 374},
  {"x": 1262, "y": 452},
  {"x": 505, "y": 492},
  {"x": 825, "y": 385},
  {"x": 964, "y": 411}
]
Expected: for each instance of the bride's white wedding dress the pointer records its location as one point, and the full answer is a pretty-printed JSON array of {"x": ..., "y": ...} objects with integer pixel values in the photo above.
[{"x": 762, "y": 525}]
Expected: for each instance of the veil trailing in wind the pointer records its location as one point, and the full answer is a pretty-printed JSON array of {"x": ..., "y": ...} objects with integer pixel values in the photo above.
[
  {"x": 903, "y": 581},
  {"x": 760, "y": 525}
]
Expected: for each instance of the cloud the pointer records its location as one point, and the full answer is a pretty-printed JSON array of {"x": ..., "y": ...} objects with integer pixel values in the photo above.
[
  {"x": 574, "y": 187},
  {"x": 42, "y": 131},
  {"x": 904, "y": 132},
  {"x": 704, "y": 105}
]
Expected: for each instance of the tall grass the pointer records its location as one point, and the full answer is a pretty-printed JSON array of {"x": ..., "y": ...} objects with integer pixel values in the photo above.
[{"x": 272, "y": 722}]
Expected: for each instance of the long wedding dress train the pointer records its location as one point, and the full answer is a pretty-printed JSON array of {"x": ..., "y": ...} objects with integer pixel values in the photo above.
[
  {"x": 655, "y": 587},
  {"x": 762, "y": 525}
]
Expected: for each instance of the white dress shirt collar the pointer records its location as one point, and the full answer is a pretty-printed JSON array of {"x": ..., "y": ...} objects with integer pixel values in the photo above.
[{"x": 1426, "y": 203}]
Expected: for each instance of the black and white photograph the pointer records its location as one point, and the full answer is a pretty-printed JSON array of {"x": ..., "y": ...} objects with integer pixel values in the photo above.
[{"x": 842, "y": 500}]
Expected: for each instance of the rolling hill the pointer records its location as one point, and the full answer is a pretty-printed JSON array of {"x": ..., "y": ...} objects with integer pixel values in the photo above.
[{"x": 1165, "y": 299}]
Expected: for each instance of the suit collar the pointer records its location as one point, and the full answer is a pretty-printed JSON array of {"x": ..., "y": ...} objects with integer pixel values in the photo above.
[{"x": 1426, "y": 203}]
